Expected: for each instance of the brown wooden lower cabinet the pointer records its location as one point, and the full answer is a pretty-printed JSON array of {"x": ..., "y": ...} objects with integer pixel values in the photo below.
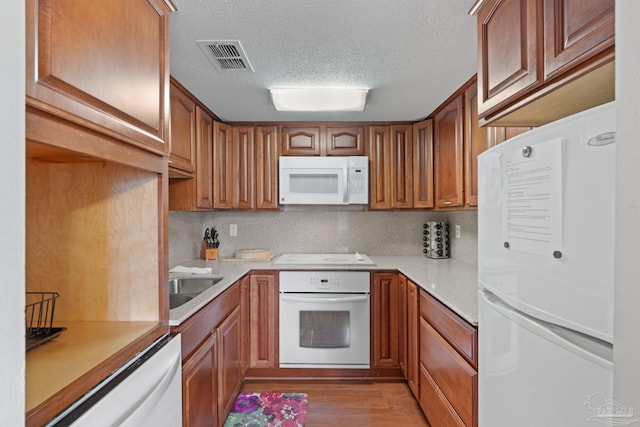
[
  {"x": 448, "y": 379},
  {"x": 230, "y": 373},
  {"x": 458, "y": 333},
  {"x": 263, "y": 320},
  {"x": 408, "y": 332},
  {"x": 413, "y": 349},
  {"x": 403, "y": 337},
  {"x": 435, "y": 405},
  {"x": 385, "y": 320},
  {"x": 454, "y": 377},
  {"x": 211, "y": 360},
  {"x": 199, "y": 391},
  {"x": 245, "y": 322}
]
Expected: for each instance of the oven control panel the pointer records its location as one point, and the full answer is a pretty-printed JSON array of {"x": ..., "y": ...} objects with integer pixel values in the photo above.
[{"x": 325, "y": 281}]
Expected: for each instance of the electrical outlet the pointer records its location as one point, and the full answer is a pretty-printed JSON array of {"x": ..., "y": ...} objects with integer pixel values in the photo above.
[
  {"x": 233, "y": 230},
  {"x": 457, "y": 231}
]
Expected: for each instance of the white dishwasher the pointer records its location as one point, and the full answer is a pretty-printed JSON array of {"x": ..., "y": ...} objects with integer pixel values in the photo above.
[{"x": 145, "y": 392}]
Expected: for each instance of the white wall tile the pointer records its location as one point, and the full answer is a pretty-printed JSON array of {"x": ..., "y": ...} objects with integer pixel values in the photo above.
[{"x": 318, "y": 230}]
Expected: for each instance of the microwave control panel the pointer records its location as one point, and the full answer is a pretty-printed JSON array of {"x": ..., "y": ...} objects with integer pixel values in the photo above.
[{"x": 358, "y": 180}]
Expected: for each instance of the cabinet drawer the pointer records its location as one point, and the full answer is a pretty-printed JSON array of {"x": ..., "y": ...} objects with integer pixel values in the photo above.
[
  {"x": 462, "y": 336},
  {"x": 453, "y": 375},
  {"x": 434, "y": 405},
  {"x": 199, "y": 326}
]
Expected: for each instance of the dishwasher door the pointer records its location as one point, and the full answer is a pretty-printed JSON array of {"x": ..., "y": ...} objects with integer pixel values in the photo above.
[{"x": 147, "y": 391}]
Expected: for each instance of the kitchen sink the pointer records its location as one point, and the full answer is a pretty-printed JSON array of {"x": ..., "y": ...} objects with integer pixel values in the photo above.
[
  {"x": 176, "y": 300},
  {"x": 186, "y": 288}
]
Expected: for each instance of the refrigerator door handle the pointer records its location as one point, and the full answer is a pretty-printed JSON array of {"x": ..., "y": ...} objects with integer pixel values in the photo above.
[{"x": 590, "y": 348}]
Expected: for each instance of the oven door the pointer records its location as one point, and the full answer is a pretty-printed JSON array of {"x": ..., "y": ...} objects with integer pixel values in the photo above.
[{"x": 324, "y": 330}]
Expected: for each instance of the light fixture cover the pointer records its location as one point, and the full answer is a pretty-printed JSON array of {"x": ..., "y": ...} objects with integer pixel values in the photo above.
[{"x": 319, "y": 99}]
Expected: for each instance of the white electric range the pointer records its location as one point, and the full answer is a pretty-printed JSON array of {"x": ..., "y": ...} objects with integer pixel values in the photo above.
[{"x": 324, "y": 313}]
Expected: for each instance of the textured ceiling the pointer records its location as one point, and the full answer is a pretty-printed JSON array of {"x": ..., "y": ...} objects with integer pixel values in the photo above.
[{"x": 412, "y": 54}]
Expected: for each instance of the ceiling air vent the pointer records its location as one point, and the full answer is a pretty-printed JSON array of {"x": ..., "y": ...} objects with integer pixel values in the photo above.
[{"x": 226, "y": 55}]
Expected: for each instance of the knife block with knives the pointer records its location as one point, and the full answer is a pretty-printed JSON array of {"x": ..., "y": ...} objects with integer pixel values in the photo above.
[{"x": 210, "y": 244}]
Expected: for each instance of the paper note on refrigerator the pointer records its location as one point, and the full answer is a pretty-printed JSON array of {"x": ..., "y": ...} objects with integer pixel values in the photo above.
[{"x": 532, "y": 198}]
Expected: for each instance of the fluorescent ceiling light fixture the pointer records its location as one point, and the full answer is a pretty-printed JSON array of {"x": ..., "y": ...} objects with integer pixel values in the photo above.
[{"x": 319, "y": 99}]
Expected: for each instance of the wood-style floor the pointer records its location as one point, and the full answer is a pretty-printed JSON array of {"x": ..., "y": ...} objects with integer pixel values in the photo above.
[{"x": 360, "y": 404}]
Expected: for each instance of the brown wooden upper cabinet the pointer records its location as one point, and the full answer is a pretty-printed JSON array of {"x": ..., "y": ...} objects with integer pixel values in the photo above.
[
  {"x": 116, "y": 81},
  {"x": 246, "y": 167},
  {"x": 379, "y": 152},
  {"x": 575, "y": 31},
  {"x": 236, "y": 166},
  {"x": 204, "y": 165},
  {"x": 243, "y": 168},
  {"x": 223, "y": 161},
  {"x": 508, "y": 50},
  {"x": 195, "y": 194},
  {"x": 448, "y": 159},
  {"x": 401, "y": 166},
  {"x": 266, "y": 172},
  {"x": 423, "y": 164},
  {"x": 301, "y": 141},
  {"x": 182, "y": 144},
  {"x": 323, "y": 140},
  {"x": 540, "y": 60},
  {"x": 344, "y": 140},
  {"x": 476, "y": 140},
  {"x": 390, "y": 154}
]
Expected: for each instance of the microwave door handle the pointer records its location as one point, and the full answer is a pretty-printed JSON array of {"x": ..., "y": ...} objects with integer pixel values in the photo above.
[
  {"x": 345, "y": 192},
  {"x": 360, "y": 298}
]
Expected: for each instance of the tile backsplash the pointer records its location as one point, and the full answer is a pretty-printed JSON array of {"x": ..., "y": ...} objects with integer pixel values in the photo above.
[{"x": 320, "y": 230}]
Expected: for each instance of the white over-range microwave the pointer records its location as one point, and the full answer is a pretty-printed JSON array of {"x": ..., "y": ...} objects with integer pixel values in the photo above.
[{"x": 324, "y": 180}]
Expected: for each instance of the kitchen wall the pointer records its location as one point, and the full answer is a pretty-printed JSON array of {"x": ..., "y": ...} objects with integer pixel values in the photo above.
[
  {"x": 319, "y": 229},
  {"x": 12, "y": 214}
]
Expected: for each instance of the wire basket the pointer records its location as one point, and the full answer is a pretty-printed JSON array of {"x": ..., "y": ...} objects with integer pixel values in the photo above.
[{"x": 39, "y": 310}]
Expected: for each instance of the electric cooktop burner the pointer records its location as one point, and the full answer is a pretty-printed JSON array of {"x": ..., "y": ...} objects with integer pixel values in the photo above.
[{"x": 324, "y": 259}]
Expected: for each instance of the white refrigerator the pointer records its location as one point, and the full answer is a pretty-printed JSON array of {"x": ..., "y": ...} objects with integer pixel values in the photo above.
[{"x": 545, "y": 276}]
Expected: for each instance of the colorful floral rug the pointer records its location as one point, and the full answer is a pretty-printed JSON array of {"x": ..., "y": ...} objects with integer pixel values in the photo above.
[{"x": 268, "y": 410}]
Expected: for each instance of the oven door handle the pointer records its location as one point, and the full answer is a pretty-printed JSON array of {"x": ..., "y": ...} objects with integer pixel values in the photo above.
[{"x": 359, "y": 298}]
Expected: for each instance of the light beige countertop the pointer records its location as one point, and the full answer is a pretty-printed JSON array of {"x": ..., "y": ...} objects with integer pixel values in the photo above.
[{"x": 452, "y": 282}]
